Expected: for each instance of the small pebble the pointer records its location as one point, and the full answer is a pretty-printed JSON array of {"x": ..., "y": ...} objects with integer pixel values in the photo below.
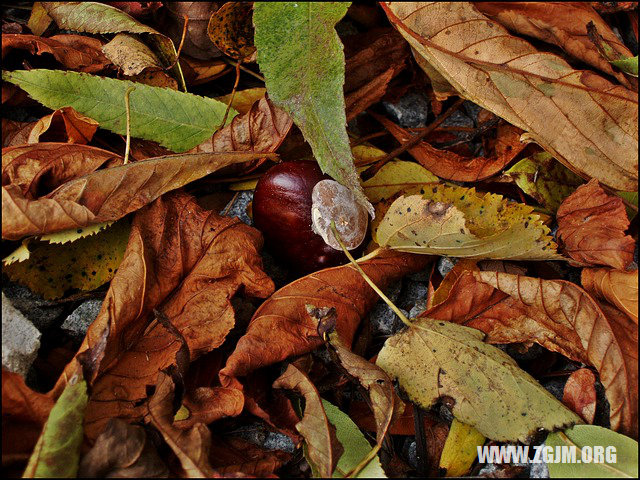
[
  {"x": 411, "y": 111},
  {"x": 42, "y": 313},
  {"x": 238, "y": 207},
  {"x": 81, "y": 318},
  {"x": 446, "y": 264},
  {"x": 20, "y": 339}
]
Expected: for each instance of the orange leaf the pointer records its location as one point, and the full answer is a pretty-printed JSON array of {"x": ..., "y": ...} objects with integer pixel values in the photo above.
[
  {"x": 580, "y": 394},
  {"x": 591, "y": 224},
  {"x": 617, "y": 287}
]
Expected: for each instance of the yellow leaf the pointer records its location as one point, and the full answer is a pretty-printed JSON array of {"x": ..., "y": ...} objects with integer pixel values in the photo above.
[
  {"x": 85, "y": 264},
  {"x": 243, "y": 99},
  {"x": 394, "y": 177},
  {"x": 459, "y": 222},
  {"x": 460, "y": 449}
]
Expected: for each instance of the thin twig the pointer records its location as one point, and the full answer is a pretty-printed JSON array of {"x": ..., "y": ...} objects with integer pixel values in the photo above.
[
  {"x": 233, "y": 94},
  {"x": 184, "y": 35},
  {"x": 244, "y": 69},
  {"x": 128, "y": 110},
  {"x": 373, "y": 169}
]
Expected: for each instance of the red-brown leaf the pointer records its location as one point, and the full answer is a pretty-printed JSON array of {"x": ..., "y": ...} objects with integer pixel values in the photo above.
[{"x": 580, "y": 394}]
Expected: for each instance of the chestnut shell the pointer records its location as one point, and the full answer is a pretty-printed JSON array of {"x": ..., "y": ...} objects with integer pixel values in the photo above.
[{"x": 282, "y": 211}]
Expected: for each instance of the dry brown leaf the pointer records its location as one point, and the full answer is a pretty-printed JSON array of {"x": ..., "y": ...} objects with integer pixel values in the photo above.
[
  {"x": 130, "y": 54},
  {"x": 617, "y": 287},
  {"x": 535, "y": 91},
  {"x": 75, "y": 52},
  {"x": 580, "y": 394},
  {"x": 188, "y": 263},
  {"x": 208, "y": 404},
  {"x": 231, "y": 30},
  {"x": 122, "y": 451},
  {"x": 282, "y": 328},
  {"x": 40, "y": 168},
  {"x": 561, "y": 317},
  {"x": 190, "y": 446},
  {"x": 451, "y": 166},
  {"x": 323, "y": 448},
  {"x": 562, "y": 23},
  {"x": 106, "y": 195},
  {"x": 591, "y": 224},
  {"x": 15, "y": 133},
  {"x": 197, "y": 43}
]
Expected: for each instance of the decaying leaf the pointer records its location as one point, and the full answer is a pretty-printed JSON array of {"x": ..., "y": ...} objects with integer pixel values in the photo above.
[
  {"x": 106, "y": 195},
  {"x": 208, "y": 404},
  {"x": 617, "y": 287},
  {"x": 190, "y": 446},
  {"x": 85, "y": 264},
  {"x": 122, "y": 450},
  {"x": 306, "y": 79},
  {"x": 562, "y": 318},
  {"x": 196, "y": 43},
  {"x": 461, "y": 449},
  {"x": 323, "y": 448},
  {"x": 130, "y": 54},
  {"x": 75, "y": 52},
  {"x": 189, "y": 262},
  {"x": 57, "y": 453},
  {"x": 396, "y": 176},
  {"x": 95, "y": 17},
  {"x": 232, "y": 455},
  {"x": 457, "y": 221},
  {"x": 435, "y": 359},
  {"x": 177, "y": 120},
  {"x": 230, "y": 29},
  {"x": 591, "y": 224},
  {"x": 545, "y": 179},
  {"x": 563, "y": 24},
  {"x": 282, "y": 327},
  {"x": 580, "y": 394},
  {"x": 451, "y": 166},
  {"x": 537, "y": 92}
]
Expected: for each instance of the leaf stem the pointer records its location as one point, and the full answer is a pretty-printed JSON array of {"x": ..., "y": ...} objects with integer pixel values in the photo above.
[
  {"x": 386, "y": 299},
  {"x": 128, "y": 109}
]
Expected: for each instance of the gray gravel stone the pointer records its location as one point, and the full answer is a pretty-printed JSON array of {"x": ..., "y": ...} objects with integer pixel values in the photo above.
[
  {"x": 42, "y": 313},
  {"x": 446, "y": 264},
  {"x": 411, "y": 111},
  {"x": 458, "y": 119},
  {"x": 279, "y": 441},
  {"x": 239, "y": 207},
  {"x": 539, "y": 470},
  {"x": 413, "y": 293},
  {"x": 78, "y": 322},
  {"x": 20, "y": 339}
]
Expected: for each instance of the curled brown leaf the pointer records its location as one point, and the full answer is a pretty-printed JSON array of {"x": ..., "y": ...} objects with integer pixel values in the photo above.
[
  {"x": 580, "y": 394},
  {"x": 617, "y": 287}
]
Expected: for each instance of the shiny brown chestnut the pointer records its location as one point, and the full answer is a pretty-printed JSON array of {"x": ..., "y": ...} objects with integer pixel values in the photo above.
[{"x": 282, "y": 210}]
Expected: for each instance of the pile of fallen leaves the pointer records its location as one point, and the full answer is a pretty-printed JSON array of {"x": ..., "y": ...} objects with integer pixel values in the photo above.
[{"x": 130, "y": 132}]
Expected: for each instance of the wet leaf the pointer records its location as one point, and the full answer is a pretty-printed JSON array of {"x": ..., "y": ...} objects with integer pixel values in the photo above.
[
  {"x": 106, "y": 195},
  {"x": 545, "y": 179},
  {"x": 177, "y": 120},
  {"x": 85, "y": 264},
  {"x": 580, "y": 436},
  {"x": 509, "y": 77},
  {"x": 451, "y": 166},
  {"x": 306, "y": 77},
  {"x": 433, "y": 359},
  {"x": 559, "y": 316},
  {"x": 457, "y": 221},
  {"x": 580, "y": 394},
  {"x": 617, "y": 287},
  {"x": 95, "y": 17},
  {"x": 282, "y": 328},
  {"x": 461, "y": 449},
  {"x": 323, "y": 449},
  {"x": 57, "y": 453},
  {"x": 591, "y": 224},
  {"x": 356, "y": 446},
  {"x": 122, "y": 450}
]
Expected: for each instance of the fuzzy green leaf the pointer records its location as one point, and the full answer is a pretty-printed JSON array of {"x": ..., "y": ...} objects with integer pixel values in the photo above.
[
  {"x": 627, "y": 65},
  {"x": 57, "y": 453},
  {"x": 581, "y": 436},
  {"x": 176, "y": 120},
  {"x": 301, "y": 57}
]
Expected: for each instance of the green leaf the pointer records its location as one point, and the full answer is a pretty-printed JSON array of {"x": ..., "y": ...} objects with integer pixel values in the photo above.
[
  {"x": 459, "y": 222},
  {"x": 627, "y": 65},
  {"x": 545, "y": 179},
  {"x": 433, "y": 359},
  {"x": 96, "y": 17},
  {"x": 632, "y": 198},
  {"x": 581, "y": 436},
  {"x": 176, "y": 120},
  {"x": 57, "y": 453},
  {"x": 301, "y": 57},
  {"x": 356, "y": 446},
  {"x": 54, "y": 268}
]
